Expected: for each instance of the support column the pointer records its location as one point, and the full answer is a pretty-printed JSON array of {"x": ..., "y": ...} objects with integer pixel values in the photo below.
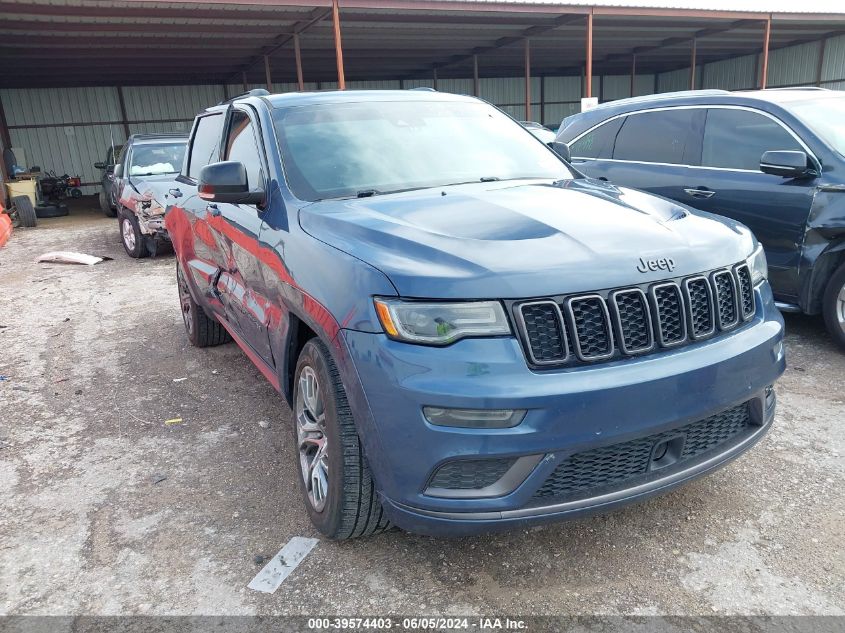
[
  {"x": 338, "y": 46},
  {"x": 434, "y": 78},
  {"x": 765, "y": 70},
  {"x": 820, "y": 64},
  {"x": 5, "y": 141},
  {"x": 528, "y": 79},
  {"x": 633, "y": 72},
  {"x": 124, "y": 120},
  {"x": 475, "y": 83},
  {"x": 692, "y": 64},
  {"x": 243, "y": 80},
  {"x": 267, "y": 78},
  {"x": 588, "y": 70},
  {"x": 298, "y": 54}
]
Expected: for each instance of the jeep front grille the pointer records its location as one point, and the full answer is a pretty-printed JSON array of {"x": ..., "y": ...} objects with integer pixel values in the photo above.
[{"x": 629, "y": 321}]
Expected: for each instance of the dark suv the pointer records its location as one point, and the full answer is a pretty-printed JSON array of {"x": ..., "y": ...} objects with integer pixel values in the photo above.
[
  {"x": 773, "y": 160},
  {"x": 471, "y": 336}
]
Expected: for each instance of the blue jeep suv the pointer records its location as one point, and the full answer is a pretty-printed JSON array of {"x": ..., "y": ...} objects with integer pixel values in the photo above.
[
  {"x": 773, "y": 160},
  {"x": 471, "y": 335}
]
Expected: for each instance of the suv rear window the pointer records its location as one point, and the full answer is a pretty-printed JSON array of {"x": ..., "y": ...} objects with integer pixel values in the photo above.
[
  {"x": 599, "y": 142},
  {"x": 655, "y": 137}
]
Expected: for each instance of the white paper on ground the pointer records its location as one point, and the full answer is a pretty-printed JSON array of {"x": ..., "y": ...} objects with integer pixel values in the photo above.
[
  {"x": 282, "y": 564},
  {"x": 68, "y": 257}
]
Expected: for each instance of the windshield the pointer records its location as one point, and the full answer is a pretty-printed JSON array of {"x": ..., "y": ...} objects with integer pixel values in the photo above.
[
  {"x": 374, "y": 147},
  {"x": 826, "y": 117},
  {"x": 152, "y": 160}
]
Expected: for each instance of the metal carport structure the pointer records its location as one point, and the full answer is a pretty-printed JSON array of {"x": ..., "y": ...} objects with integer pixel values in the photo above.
[{"x": 526, "y": 51}]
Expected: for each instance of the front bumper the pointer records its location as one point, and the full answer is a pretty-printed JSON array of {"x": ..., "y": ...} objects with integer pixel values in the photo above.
[{"x": 569, "y": 411}]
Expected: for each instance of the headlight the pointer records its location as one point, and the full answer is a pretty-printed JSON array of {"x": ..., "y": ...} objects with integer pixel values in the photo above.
[
  {"x": 441, "y": 323},
  {"x": 758, "y": 265}
]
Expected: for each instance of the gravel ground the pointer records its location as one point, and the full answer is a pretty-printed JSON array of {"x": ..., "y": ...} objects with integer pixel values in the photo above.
[{"x": 106, "y": 509}]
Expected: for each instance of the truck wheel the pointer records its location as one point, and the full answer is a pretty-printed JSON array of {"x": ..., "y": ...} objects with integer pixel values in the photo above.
[
  {"x": 336, "y": 484},
  {"x": 203, "y": 331},
  {"x": 833, "y": 306},
  {"x": 105, "y": 205},
  {"x": 25, "y": 211},
  {"x": 131, "y": 236}
]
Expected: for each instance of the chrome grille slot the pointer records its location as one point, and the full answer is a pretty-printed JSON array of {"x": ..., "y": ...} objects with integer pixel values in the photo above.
[
  {"x": 669, "y": 314},
  {"x": 544, "y": 333},
  {"x": 632, "y": 319},
  {"x": 699, "y": 296},
  {"x": 590, "y": 325},
  {"x": 724, "y": 291},
  {"x": 746, "y": 292}
]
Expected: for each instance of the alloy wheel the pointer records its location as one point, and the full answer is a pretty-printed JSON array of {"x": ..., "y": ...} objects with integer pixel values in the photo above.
[
  {"x": 312, "y": 441},
  {"x": 840, "y": 308},
  {"x": 128, "y": 234},
  {"x": 185, "y": 300}
]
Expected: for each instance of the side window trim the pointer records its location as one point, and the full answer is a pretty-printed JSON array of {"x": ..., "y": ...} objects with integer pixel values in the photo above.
[{"x": 789, "y": 130}]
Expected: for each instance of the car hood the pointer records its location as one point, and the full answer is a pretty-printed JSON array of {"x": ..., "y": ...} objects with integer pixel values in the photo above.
[
  {"x": 153, "y": 187},
  {"x": 524, "y": 238}
]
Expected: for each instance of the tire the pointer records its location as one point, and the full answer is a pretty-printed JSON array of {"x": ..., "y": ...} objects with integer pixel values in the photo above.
[
  {"x": 833, "y": 306},
  {"x": 131, "y": 237},
  {"x": 203, "y": 331},
  {"x": 51, "y": 210},
  {"x": 105, "y": 205},
  {"x": 335, "y": 479},
  {"x": 25, "y": 211},
  {"x": 76, "y": 193}
]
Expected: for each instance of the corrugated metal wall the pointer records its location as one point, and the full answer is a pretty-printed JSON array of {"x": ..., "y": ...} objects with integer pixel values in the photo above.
[{"x": 69, "y": 129}]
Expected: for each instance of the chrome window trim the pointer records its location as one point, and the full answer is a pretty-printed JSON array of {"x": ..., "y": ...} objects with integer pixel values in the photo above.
[
  {"x": 729, "y": 273},
  {"x": 570, "y": 317},
  {"x": 617, "y": 321},
  {"x": 711, "y": 305},
  {"x": 653, "y": 294},
  {"x": 523, "y": 333},
  {"x": 789, "y": 130},
  {"x": 750, "y": 315}
]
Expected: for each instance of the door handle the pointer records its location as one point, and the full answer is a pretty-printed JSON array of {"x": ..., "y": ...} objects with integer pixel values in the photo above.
[
  {"x": 213, "y": 210},
  {"x": 700, "y": 192}
]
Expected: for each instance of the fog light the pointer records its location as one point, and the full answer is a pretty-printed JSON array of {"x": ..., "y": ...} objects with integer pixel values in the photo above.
[
  {"x": 770, "y": 397},
  {"x": 777, "y": 350},
  {"x": 474, "y": 418}
]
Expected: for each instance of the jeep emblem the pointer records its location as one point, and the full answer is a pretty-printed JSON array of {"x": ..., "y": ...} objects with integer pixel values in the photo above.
[{"x": 663, "y": 263}]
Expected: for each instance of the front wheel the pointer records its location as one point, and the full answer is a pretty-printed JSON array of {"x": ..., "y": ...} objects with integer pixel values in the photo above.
[
  {"x": 131, "y": 236},
  {"x": 336, "y": 484},
  {"x": 833, "y": 306}
]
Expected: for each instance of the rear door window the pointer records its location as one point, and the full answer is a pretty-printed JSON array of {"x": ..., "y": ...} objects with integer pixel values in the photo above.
[
  {"x": 205, "y": 145},
  {"x": 599, "y": 142},
  {"x": 737, "y": 139},
  {"x": 662, "y": 136}
]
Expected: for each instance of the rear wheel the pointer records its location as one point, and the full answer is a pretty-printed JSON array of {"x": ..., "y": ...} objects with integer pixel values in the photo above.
[
  {"x": 202, "y": 330},
  {"x": 105, "y": 205},
  {"x": 25, "y": 211},
  {"x": 336, "y": 483},
  {"x": 833, "y": 306},
  {"x": 131, "y": 236}
]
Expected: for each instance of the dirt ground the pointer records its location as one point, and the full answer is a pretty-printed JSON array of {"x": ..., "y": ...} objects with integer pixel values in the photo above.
[{"x": 106, "y": 509}]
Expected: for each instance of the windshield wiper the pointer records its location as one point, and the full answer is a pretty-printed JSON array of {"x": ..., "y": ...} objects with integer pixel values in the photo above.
[
  {"x": 489, "y": 179},
  {"x": 367, "y": 193}
]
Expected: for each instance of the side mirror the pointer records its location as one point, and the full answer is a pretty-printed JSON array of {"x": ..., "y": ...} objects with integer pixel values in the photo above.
[
  {"x": 118, "y": 171},
  {"x": 786, "y": 163},
  {"x": 562, "y": 150},
  {"x": 227, "y": 182},
  {"x": 99, "y": 165}
]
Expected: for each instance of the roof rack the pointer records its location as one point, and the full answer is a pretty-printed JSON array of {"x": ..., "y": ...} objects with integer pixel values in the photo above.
[
  {"x": 800, "y": 88},
  {"x": 255, "y": 92},
  {"x": 424, "y": 89}
]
